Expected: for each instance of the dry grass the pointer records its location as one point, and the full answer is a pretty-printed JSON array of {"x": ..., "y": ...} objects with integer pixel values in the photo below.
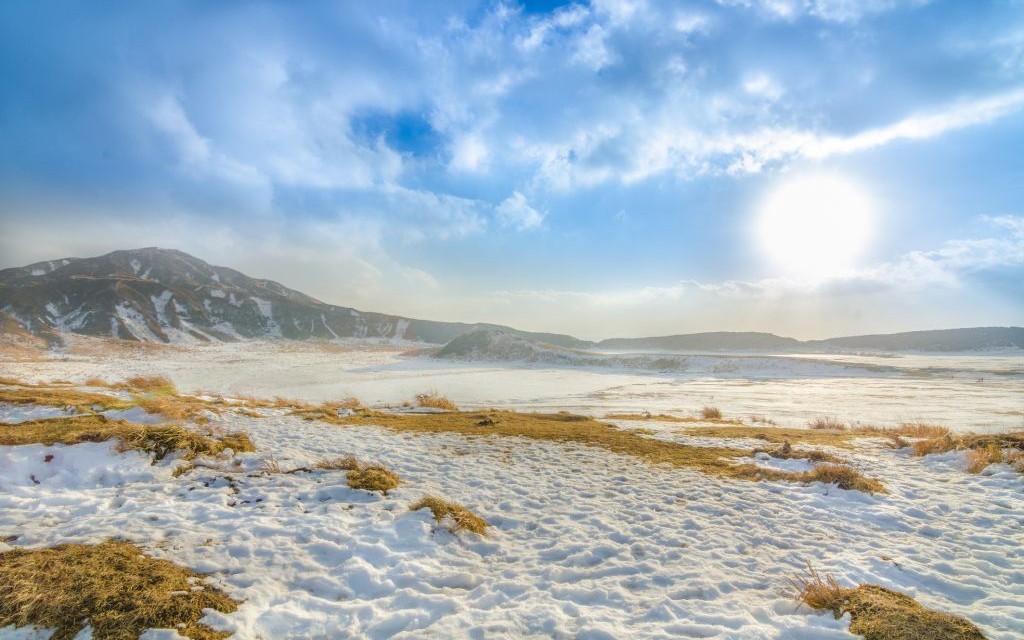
[
  {"x": 111, "y": 587},
  {"x": 830, "y": 423},
  {"x": 711, "y": 413},
  {"x": 159, "y": 440},
  {"x": 663, "y": 417},
  {"x": 372, "y": 477},
  {"x": 979, "y": 459},
  {"x": 786, "y": 452},
  {"x": 150, "y": 384},
  {"x": 765, "y": 420},
  {"x": 878, "y": 613},
  {"x": 344, "y": 463},
  {"x": 456, "y": 516},
  {"x": 82, "y": 400},
  {"x": 433, "y": 400},
  {"x": 779, "y": 435},
  {"x": 583, "y": 430}
]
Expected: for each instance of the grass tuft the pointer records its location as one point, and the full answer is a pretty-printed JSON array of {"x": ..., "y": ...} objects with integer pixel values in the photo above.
[
  {"x": 979, "y": 459},
  {"x": 786, "y": 452},
  {"x": 150, "y": 384},
  {"x": 344, "y": 463},
  {"x": 457, "y": 516},
  {"x": 829, "y": 423},
  {"x": 433, "y": 400},
  {"x": 110, "y": 586},
  {"x": 373, "y": 477},
  {"x": 878, "y": 613},
  {"x": 711, "y": 413}
]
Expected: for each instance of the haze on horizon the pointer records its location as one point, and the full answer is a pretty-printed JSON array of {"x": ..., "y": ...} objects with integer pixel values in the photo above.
[{"x": 812, "y": 168}]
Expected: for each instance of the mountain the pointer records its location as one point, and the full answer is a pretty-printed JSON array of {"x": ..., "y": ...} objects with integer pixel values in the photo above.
[
  {"x": 973, "y": 339},
  {"x": 162, "y": 295},
  {"x": 715, "y": 341}
]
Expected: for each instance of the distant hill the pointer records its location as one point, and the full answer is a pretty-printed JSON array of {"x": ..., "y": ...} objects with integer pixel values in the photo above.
[
  {"x": 714, "y": 341},
  {"x": 163, "y": 295},
  {"x": 975, "y": 339}
]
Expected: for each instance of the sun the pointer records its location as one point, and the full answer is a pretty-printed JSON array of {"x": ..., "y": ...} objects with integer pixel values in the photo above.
[{"x": 815, "y": 226}]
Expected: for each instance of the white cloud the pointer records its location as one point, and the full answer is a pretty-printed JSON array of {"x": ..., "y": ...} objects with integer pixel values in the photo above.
[
  {"x": 517, "y": 213},
  {"x": 469, "y": 153}
]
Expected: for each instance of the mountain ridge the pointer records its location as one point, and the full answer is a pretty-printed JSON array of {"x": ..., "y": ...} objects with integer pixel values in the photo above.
[{"x": 165, "y": 295}]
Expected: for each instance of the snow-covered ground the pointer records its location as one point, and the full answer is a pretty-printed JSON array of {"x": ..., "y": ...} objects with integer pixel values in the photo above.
[{"x": 585, "y": 543}]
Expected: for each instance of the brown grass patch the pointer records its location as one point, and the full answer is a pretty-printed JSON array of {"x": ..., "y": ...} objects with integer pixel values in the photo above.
[
  {"x": 82, "y": 400},
  {"x": 150, "y": 384},
  {"x": 830, "y": 423},
  {"x": 158, "y": 440},
  {"x": 711, "y": 413},
  {"x": 457, "y": 516},
  {"x": 878, "y": 613},
  {"x": 979, "y": 459},
  {"x": 111, "y": 586},
  {"x": 583, "y": 430},
  {"x": 433, "y": 400},
  {"x": 373, "y": 477},
  {"x": 765, "y": 420}
]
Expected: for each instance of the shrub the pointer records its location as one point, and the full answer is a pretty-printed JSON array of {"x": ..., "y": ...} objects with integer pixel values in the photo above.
[{"x": 457, "y": 516}]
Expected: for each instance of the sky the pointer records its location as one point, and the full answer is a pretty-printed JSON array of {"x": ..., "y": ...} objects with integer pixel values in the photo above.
[{"x": 604, "y": 168}]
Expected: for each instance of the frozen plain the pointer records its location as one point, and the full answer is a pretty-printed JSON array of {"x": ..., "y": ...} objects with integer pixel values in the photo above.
[{"x": 586, "y": 543}]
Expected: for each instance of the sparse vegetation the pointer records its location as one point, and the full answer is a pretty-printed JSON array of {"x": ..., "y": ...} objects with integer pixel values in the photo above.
[
  {"x": 711, "y": 413},
  {"x": 433, "y": 400},
  {"x": 372, "y": 477},
  {"x": 456, "y": 516},
  {"x": 344, "y": 463},
  {"x": 878, "y": 613},
  {"x": 979, "y": 459},
  {"x": 583, "y": 430},
  {"x": 786, "y": 452},
  {"x": 830, "y": 423},
  {"x": 112, "y": 587},
  {"x": 765, "y": 420},
  {"x": 158, "y": 440},
  {"x": 157, "y": 385},
  {"x": 662, "y": 417}
]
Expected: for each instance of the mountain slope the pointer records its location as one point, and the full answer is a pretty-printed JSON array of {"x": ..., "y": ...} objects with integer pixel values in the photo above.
[
  {"x": 716, "y": 340},
  {"x": 162, "y": 295}
]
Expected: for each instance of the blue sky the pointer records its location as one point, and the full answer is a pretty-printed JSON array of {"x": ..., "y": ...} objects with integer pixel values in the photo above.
[{"x": 594, "y": 168}]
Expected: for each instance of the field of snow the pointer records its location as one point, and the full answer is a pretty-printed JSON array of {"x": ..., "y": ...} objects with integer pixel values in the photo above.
[{"x": 585, "y": 543}]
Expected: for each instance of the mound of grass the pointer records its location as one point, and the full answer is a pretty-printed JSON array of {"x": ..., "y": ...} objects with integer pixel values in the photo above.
[
  {"x": 710, "y": 413},
  {"x": 110, "y": 586},
  {"x": 878, "y": 613},
  {"x": 157, "y": 440},
  {"x": 583, "y": 430},
  {"x": 830, "y": 423},
  {"x": 372, "y": 477},
  {"x": 456, "y": 516},
  {"x": 433, "y": 400}
]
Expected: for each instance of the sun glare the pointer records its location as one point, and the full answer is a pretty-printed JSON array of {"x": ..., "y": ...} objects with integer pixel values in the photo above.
[{"x": 815, "y": 226}]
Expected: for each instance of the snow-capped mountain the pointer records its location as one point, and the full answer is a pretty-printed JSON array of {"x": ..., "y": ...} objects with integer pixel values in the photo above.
[{"x": 162, "y": 295}]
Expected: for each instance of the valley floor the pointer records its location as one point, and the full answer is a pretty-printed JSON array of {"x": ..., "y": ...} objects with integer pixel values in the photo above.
[{"x": 585, "y": 543}]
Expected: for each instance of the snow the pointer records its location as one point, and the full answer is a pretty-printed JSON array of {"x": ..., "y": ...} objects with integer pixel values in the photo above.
[
  {"x": 217, "y": 293},
  {"x": 17, "y": 413},
  {"x": 585, "y": 543},
  {"x": 39, "y": 272},
  {"x": 135, "y": 322},
  {"x": 265, "y": 309}
]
